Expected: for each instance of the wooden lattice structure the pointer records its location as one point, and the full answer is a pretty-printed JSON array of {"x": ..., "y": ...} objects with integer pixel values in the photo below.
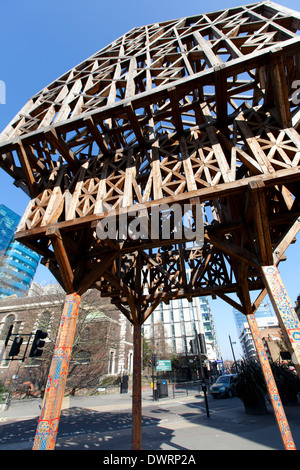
[{"x": 201, "y": 110}]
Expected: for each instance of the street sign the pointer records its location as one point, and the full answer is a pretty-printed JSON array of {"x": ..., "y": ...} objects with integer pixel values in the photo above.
[{"x": 163, "y": 365}]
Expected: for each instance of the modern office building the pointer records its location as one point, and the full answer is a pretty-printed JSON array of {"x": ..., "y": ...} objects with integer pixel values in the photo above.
[
  {"x": 173, "y": 326},
  {"x": 8, "y": 224},
  {"x": 18, "y": 263},
  {"x": 265, "y": 318}
]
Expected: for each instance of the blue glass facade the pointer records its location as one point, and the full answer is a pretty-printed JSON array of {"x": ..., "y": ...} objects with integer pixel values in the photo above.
[
  {"x": 18, "y": 263},
  {"x": 8, "y": 224}
]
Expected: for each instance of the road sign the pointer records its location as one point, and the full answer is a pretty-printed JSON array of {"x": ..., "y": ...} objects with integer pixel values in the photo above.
[{"x": 163, "y": 365}]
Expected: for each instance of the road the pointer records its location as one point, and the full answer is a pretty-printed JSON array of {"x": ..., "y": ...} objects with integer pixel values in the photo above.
[{"x": 175, "y": 424}]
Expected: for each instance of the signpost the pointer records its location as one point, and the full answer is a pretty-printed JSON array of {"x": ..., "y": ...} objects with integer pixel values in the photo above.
[{"x": 163, "y": 365}]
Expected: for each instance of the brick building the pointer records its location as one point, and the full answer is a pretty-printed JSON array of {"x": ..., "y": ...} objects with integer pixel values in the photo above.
[{"x": 102, "y": 345}]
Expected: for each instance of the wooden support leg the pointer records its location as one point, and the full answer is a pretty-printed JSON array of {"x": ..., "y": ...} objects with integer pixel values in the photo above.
[
  {"x": 280, "y": 416},
  {"x": 137, "y": 390},
  {"x": 285, "y": 312},
  {"x": 48, "y": 423}
]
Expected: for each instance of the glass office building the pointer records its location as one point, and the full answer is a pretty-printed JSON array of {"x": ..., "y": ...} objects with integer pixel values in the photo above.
[
  {"x": 265, "y": 318},
  {"x": 18, "y": 263},
  {"x": 176, "y": 323}
]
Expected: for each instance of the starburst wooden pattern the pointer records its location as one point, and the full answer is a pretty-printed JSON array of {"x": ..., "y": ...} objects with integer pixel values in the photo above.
[{"x": 199, "y": 110}]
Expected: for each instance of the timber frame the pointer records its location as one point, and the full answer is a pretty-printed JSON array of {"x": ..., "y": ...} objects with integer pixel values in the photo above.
[{"x": 199, "y": 110}]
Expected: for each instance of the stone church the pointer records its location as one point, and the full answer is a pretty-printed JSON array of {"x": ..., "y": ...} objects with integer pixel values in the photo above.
[{"x": 102, "y": 346}]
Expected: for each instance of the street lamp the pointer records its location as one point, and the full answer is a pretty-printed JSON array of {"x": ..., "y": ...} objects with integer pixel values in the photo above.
[{"x": 231, "y": 344}]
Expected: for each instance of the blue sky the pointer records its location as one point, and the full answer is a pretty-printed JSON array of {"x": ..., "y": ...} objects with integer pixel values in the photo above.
[{"x": 41, "y": 40}]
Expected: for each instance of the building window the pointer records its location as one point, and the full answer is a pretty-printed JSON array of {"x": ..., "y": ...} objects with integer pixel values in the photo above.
[
  {"x": 111, "y": 362},
  {"x": 9, "y": 320},
  {"x": 82, "y": 357}
]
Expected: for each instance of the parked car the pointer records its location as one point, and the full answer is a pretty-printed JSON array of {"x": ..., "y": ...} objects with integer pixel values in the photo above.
[{"x": 224, "y": 386}]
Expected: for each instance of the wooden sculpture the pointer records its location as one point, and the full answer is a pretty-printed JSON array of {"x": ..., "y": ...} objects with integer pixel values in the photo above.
[{"x": 200, "y": 111}]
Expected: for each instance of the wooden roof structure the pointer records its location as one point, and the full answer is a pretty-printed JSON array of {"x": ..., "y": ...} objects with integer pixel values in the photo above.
[{"x": 201, "y": 110}]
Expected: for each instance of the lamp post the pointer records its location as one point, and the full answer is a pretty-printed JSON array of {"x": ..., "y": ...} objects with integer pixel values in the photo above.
[{"x": 231, "y": 344}]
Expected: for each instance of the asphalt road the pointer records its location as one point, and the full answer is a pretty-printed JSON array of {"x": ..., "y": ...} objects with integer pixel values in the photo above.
[{"x": 175, "y": 424}]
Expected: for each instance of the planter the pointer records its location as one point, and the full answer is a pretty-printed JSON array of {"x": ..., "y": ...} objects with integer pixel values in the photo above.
[{"x": 256, "y": 407}]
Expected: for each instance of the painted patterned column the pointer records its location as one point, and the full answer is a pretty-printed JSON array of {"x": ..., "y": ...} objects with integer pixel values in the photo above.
[
  {"x": 285, "y": 312},
  {"x": 47, "y": 427},
  {"x": 137, "y": 389},
  {"x": 279, "y": 412}
]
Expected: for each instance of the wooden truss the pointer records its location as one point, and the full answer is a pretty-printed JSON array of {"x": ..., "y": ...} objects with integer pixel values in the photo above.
[{"x": 202, "y": 111}]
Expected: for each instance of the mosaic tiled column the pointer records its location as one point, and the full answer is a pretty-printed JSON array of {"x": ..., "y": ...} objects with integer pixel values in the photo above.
[
  {"x": 285, "y": 312},
  {"x": 279, "y": 412},
  {"x": 137, "y": 389},
  {"x": 48, "y": 423}
]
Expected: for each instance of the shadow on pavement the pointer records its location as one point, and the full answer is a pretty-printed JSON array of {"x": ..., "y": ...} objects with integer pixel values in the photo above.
[
  {"x": 226, "y": 428},
  {"x": 259, "y": 428},
  {"x": 83, "y": 429}
]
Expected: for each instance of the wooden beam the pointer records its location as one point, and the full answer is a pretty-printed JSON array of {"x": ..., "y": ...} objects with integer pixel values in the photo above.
[
  {"x": 253, "y": 146},
  {"x": 88, "y": 281},
  {"x": 27, "y": 169},
  {"x": 137, "y": 129},
  {"x": 221, "y": 97},
  {"x": 261, "y": 223},
  {"x": 281, "y": 91},
  {"x": 285, "y": 241},
  {"x": 62, "y": 147},
  {"x": 176, "y": 115},
  {"x": 236, "y": 251},
  {"x": 62, "y": 259},
  {"x": 93, "y": 129}
]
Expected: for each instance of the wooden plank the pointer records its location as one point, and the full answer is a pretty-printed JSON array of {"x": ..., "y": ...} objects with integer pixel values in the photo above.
[
  {"x": 132, "y": 71},
  {"x": 285, "y": 241},
  {"x": 72, "y": 204},
  {"x": 187, "y": 164},
  {"x": 205, "y": 46},
  {"x": 156, "y": 172},
  {"x": 281, "y": 91},
  {"x": 56, "y": 203},
  {"x": 27, "y": 169}
]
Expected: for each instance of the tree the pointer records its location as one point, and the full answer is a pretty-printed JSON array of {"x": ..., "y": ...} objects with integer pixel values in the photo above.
[
  {"x": 147, "y": 352},
  {"x": 161, "y": 346},
  {"x": 94, "y": 336}
]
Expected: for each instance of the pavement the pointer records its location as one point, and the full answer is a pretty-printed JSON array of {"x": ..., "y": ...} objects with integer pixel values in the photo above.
[{"x": 175, "y": 424}]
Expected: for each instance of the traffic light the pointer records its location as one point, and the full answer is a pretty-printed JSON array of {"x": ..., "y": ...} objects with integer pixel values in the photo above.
[
  {"x": 202, "y": 343},
  {"x": 38, "y": 343},
  {"x": 16, "y": 346}
]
